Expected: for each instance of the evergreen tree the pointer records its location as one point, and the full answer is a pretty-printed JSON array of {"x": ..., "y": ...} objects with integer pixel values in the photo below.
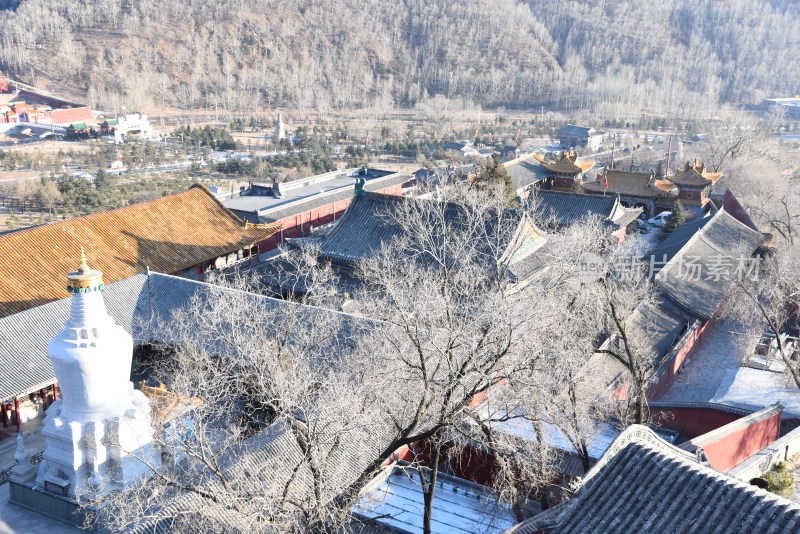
[
  {"x": 676, "y": 218},
  {"x": 495, "y": 174}
]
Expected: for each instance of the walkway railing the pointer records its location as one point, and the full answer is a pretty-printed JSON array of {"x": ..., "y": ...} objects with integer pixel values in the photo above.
[{"x": 5, "y": 474}]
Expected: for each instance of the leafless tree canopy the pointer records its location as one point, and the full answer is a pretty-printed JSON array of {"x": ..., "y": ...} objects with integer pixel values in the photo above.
[
  {"x": 615, "y": 58},
  {"x": 302, "y": 405}
]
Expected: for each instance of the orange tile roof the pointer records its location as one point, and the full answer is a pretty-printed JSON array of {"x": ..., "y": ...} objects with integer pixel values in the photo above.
[
  {"x": 635, "y": 184},
  {"x": 168, "y": 235},
  {"x": 567, "y": 163},
  {"x": 695, "y": 175}
]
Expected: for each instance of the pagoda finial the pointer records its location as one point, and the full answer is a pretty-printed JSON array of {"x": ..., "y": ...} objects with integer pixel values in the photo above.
[
  {"x": 84, "y": 279},
  {"x": 83, "y": 267}
]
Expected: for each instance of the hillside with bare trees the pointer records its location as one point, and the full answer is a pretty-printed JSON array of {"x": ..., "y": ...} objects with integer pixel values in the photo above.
[{"x": 253, "y": 54}]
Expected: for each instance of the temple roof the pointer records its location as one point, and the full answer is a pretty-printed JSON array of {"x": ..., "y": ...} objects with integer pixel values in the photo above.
[
  {"x": 568, "y": 163},
  {"x": 525, "y": 171},
  {"x": 370, "y": 222},
  {"x": 716, "y": 247},
  {"x": 168, "y": 234},
  {"x": 644, "y": 484},
  {"x": 695, "y": 175},
  {"x": 566, "y": 208},
  {"x": 629, "y": 183}
]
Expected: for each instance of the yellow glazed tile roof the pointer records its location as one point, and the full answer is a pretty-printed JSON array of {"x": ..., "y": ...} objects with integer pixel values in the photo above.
[{"x": 167, "y": 235}]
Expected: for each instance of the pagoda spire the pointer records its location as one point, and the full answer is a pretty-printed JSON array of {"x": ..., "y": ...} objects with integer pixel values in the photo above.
[{"x": 85, "y": 279}]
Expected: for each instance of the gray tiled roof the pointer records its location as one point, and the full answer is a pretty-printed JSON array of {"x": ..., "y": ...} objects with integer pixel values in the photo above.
[
  {"x": 722, "y": 239},
  {"x": 567, "y": 208},
  {"x": 370, "y": 222},
  {"x": 323, "y": 199},
  {"x": 675, "y": 241},
  {"x": 367, "y": 225},
  {"x": 24, "y": 336},
  {"x": 525, "y": 171},
  {"x": 573, "y": 129},
  {"x": 643, "y": 484},
  {"x": 656, "y": 325}
]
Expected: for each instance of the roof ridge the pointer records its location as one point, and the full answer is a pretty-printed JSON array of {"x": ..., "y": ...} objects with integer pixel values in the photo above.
[
  {"x": 645, "y": 437},
  {"x": 281, "y": 302},
  {"x": 241, "y": 222}
]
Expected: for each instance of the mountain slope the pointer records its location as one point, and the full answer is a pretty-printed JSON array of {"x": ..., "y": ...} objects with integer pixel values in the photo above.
[{"x": 250, "y": 54}]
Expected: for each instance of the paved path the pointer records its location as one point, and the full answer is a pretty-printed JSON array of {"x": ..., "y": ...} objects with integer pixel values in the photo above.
[
  {"x": 31, "y": 434},
  {"x": 15, "y": 519}
]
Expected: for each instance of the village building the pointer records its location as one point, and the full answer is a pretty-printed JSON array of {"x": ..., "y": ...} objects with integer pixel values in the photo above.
[
  {"x": 31, "y": 108},
  {"x": 80, "y": 130},
  {"x": 463, "y": 150},
  {"x": 132, "y": 125},
  {"x": 789, "y": 106},
  {"x": 673, "y": 491},
  {"x": 636, "y": 189},
  {"x": 694, "y": 182},
  {"x": 572, "y": 136},
  {"x": 298, "y": 207},
  {"x": 509, "y": 152}
]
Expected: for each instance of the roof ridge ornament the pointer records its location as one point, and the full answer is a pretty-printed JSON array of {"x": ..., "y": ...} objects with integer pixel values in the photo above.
[{"x": 360, "y": 182}]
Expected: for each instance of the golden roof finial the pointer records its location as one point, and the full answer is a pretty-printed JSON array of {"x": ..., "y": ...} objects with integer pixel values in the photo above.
[
  {"x": 83, "y": 267},
  {"x": 85, "y": 279}
]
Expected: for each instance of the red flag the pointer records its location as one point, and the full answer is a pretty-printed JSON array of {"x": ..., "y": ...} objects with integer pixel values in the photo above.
[{"x": 605, "y": 181}]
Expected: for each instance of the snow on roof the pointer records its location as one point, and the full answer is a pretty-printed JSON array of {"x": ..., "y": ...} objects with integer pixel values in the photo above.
[{"x": 395, "y": 500}]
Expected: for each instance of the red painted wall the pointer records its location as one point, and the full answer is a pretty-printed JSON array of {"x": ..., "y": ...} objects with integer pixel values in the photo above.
[
  {"x": 301, "y": 224},
  {"x": 670, "y": 368},
  {"x": 692, "y": 422},
  {"x": 698, "y": 197},
  {"x": 474, "y": 465},
  {"x": 734, "y": 448},
  {"x": 68, "y": 116}
]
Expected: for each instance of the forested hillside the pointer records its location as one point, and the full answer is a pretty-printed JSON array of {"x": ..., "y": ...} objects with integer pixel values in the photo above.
[{"x": 245, "y": 54}]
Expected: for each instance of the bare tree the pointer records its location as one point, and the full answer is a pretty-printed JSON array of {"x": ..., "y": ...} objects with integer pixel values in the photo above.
[
  {"x": 283, "y": 407},
  {"x": 765, "y": 296}
]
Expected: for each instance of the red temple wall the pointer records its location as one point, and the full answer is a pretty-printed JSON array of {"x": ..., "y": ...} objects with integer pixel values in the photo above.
[
  {"x": 692, "y": 422},
  {"x": 736, "y": 447}
]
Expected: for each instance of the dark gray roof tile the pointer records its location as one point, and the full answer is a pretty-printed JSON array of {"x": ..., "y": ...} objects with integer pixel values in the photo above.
[
  {"x": 566, "y": 208},
  {"x": 643, "y": 484},
  {"x": 721, "y": 241}
]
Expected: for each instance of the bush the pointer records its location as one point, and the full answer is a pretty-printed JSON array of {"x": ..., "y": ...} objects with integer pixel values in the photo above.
[{"x": 780, "y": 481}]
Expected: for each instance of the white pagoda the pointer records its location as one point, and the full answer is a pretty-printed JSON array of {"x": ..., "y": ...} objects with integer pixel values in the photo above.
[
  {"x": 280, "y": 129},
  {"x": 98, "y": 435}
]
